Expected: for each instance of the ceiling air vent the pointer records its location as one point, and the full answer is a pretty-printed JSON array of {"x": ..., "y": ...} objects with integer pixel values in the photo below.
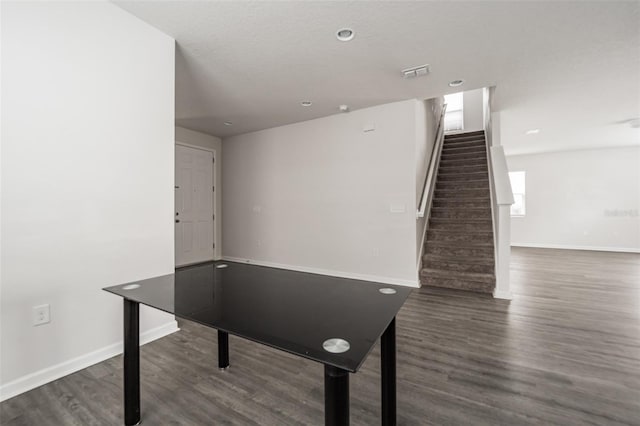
[{"x": 418, "y": 71}]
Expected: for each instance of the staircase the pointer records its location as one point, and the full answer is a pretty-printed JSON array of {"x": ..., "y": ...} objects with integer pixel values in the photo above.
[{"x": 458, "y": 251}]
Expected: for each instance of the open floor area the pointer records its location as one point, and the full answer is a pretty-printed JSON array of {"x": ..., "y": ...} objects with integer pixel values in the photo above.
[{"x": 564, "y": 351}]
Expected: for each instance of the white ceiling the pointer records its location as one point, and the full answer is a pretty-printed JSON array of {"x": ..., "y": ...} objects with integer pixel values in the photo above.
[{"x": 571, "y": 69}]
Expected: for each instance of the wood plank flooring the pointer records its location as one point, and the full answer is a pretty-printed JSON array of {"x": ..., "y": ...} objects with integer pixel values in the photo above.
[{"x": 565, "y": 351}]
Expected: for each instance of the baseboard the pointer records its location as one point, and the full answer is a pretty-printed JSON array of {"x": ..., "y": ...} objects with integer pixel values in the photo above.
[
  {"x": 506, "y": 295},
  {"x": 49, "y": 374},
  {"x": 570, "y": 247},
  {"x": 341, "y": 274}
]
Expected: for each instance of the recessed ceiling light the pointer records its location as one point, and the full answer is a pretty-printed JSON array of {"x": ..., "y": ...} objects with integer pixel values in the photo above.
[
  {"x": 456, "y": 83},
  {"x": 532, "y": 132},
  {"x": 306, "y": 103},
  {"x": 345, "y": 34},
  {"x": 228, "y": 123}
]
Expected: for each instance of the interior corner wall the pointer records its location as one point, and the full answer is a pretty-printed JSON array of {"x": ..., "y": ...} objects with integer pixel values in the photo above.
[
  {"x": 208, "y": 142},
  {"x": 473, "y": 110},
  {"x": 87, "y": 181},
  {"x": 587, "y": 199},
  {"x": 333, "y": 195}
]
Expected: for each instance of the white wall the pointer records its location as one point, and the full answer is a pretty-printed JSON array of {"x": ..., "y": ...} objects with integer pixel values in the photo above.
[
  {"x": 87, "y": 181},
  {"x": 317, "y": 194},
  {"x": 473, "y": 110},
  {"x": 580, "y": 199},
  {"x": 427, "y": 115},
  {"x": 202, "y": 140}
]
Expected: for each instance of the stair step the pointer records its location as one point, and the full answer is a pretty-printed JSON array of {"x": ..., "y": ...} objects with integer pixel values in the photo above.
[
  {"x": 460, "y": 194},
  {"x": 483, "y": 266},
  {"x": 461, "y": 176},
  {"x": 464, "y": 155},
  {"x": 466, "y": 224},
  {"x": 456, "y": 147},
  {"x": 464, "y": 168},
  {"x": 474, "y": 236},
  {"x": 459, "y": 144},
  {"x": 463, "y": 250},
  {"x": 461, "y": 212},
  {"x": 482, "y": 283},
  {"x": 457, "y": 162},
  {"x": 465, "y": 184},
  {"x": 471, "y": 276},
  {"x": 457, "y": 150},
  {"x": 477, "y": 138},
  {"x": 464, "y": 134},
  {"x": 466, "y": 202}
]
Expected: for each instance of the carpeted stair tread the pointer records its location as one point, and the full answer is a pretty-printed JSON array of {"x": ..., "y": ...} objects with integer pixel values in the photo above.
[
  {"x": 459, "y": 244},
  {"x": 470, "y": 276},
  {"x": 458, "y": 284},
  {"x": 460, "y": 236},
  {"x": 467, "y": 184},
  {"x": 476, "y": 152},
  {"x": 433, "y": 257},
  {"x": 456, "y": 150},
  {"x": 462, "y": 161},
  {"x": 463, "y": 135}
]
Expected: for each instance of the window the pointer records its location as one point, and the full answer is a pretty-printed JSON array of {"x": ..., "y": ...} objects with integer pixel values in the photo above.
[
  {"x": 453, "y": 118},
  {"x": 517, "y": 186}
]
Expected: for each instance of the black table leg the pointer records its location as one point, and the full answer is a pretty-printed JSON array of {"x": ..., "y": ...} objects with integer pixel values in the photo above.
[
  {"x": 131, "y": 363},
  {"x": 388, "y": 367},
  {"x": 223, "y": 350},
  {"x": 336, "y": 396}
]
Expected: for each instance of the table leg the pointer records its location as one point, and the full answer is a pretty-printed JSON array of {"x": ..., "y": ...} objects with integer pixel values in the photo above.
[
  {"x": 388, "y": 367},
  {"x": 131, "y": 363},
  {"x": 223, "y": 350},
  {"x": 336, "y": 396}
]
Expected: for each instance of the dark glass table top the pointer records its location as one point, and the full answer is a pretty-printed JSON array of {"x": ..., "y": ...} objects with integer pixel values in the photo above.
[{"x": 292, "y": 311}]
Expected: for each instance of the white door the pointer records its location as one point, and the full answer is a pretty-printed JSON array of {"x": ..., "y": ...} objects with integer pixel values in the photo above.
[{"x": 194, "y": 205}]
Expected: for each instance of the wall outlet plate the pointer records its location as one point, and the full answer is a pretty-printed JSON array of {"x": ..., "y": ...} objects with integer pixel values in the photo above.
[{"x": 41, "y": 314}]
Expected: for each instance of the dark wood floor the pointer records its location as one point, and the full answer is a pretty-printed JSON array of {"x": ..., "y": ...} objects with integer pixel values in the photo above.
[{"x": 565, "y": 351}]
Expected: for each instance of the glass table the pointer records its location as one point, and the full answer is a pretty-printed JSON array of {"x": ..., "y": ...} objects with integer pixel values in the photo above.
[{"x": 334, "y": 321}]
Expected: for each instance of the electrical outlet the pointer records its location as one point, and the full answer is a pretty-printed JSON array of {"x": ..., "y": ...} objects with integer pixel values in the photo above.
[{"x": 41, "y": 314}]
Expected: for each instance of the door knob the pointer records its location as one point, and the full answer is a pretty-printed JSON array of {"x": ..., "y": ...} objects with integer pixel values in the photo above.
[{"x": 177, "y": 221}]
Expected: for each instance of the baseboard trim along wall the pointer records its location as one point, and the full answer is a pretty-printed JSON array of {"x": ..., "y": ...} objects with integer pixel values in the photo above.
[
  {"x": 569, "y": 247},
  {"x": 341, "y": 274},
  {"x": 49, "y": 374}
]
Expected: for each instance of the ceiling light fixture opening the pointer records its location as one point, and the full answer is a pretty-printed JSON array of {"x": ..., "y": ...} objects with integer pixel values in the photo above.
[
  {"x": 345, "y": 34},
  {"x": 456, "y": 83},
  {"x": 306, "y": 103},
  {"x": 532, "y": 132},
  {"x": 228, "y": 123}
]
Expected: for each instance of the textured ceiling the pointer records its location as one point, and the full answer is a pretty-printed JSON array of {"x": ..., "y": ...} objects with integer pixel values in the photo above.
[{"x": 570, "y": 69}]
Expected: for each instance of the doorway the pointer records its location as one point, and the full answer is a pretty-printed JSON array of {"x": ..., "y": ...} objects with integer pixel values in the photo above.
[{"x": 194, "y": 205}]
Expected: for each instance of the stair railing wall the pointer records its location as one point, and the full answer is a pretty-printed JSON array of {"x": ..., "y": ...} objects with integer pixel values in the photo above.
[
  {"x": 501, "y": 201},
  {"x": 428, "y": 188},
  {"x": 430, "y": 179}
]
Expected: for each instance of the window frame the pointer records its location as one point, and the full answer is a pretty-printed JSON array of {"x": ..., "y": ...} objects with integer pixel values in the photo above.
[{"x": 523, "y": 194}]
